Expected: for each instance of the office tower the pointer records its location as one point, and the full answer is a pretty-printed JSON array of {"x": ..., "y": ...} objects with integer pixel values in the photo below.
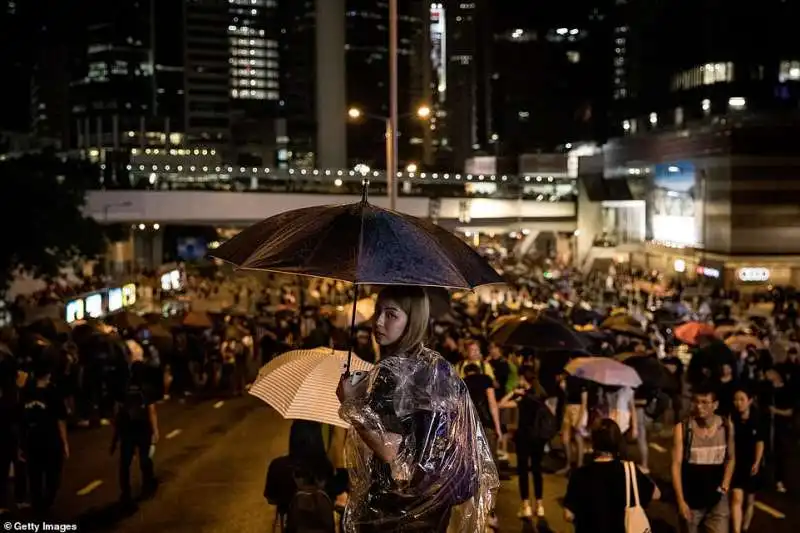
[
  {"x": 719, "y": 61},
  {"x": 468, "y": 102},
  {"x": 549, "y": 81},
  {"x": 207, "y": 73},
  {"x": 358, "y": 76}
]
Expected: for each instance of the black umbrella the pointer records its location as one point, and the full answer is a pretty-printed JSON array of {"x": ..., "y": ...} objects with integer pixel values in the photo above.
[
  {"x": 629, "y": 330},
  {"x": 620, "y": 320},
  {"x": 580, "y": 316},
  {"x": 359, "y": 243},
  {"x": 541, "y": 332},
  {"x": 654, "y": 375}
]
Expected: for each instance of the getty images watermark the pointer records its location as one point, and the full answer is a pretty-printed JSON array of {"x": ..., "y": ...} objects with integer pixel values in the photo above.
[{"x": 37, "y": 527}]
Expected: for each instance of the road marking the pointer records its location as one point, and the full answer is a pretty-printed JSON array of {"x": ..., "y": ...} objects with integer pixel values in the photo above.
[
  {"x": 172, "y": 434},
  {"x": 219, "y": 404},
  {"x": 657, "y": 447},
  {"x": 90, "y": 487},
  {"x": 769, "y": 510}
]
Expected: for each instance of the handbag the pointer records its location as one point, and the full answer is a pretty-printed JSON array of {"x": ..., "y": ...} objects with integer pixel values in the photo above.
[{"x": 635, "y": 518}]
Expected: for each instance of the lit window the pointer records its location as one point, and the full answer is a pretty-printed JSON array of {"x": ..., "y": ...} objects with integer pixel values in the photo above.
[{"x": 789, "y": 71}]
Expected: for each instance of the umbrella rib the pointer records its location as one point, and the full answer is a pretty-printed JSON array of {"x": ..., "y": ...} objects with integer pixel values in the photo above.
[{"x": 434, "y": 242}]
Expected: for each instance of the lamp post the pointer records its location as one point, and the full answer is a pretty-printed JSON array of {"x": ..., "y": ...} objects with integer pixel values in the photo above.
[
  {"x": 422, "y": 112},
  {"x": 391, "y": 126}
]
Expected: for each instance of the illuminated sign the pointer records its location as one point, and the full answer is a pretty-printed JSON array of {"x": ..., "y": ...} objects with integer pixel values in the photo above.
[
  {"x": 438, "y": 34},
  {"x": 172, "y": 281},
  {"x": 101, "y": 303},
  {"x": 114, "y": 300},
  {"x": 708, "y": 272},
  {"x": 75, "y": 310},
  {"x": 128, "y": 295},
  {"x": 679, "y": 265},
  {"x": 753, "y": 274},
  {"x": 94, "y": 305}
]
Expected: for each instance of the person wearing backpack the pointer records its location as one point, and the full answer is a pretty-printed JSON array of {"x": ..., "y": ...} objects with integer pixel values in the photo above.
[
  {"x": 136, "y": 431},
  {"x": 703, "y": 463},
  {"x": 536, "y": 426},
  {"x": 44, "y": 442},
  {"x": 301, "y": 484},
  {"x": 608, "y": 495}
]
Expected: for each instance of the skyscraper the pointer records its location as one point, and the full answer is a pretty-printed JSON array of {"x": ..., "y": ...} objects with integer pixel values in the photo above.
[
  {"x": 468, "y": 72},
  {"x": 364, "y": 33}
]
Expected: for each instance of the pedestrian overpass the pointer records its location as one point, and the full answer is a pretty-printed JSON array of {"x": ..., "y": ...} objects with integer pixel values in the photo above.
[{"x": 228, "y": 196}]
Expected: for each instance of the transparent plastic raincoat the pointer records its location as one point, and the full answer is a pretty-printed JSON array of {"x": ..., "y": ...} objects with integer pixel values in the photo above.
[{"x": 440, "y": 469}]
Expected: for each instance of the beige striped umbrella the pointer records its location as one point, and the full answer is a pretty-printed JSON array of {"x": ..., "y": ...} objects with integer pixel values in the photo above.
[{"x": 301, "y": 384}]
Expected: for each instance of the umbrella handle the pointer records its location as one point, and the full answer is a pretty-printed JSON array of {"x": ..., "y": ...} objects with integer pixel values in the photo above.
[{"x": 352, "y": 331}]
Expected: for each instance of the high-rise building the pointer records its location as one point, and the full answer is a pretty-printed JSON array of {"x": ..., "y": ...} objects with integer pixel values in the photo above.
[
  {"x": 549, "y": 77},
  {"x": 254, "y": 37},
  {"x": 207, "y": 72},
  {"x": 364, "y": 36},
  {"x": 708, "y": 70},
  {"x": 467, "y": 110}
]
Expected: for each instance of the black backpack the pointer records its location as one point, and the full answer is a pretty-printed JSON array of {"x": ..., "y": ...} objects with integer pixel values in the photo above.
[
  {"x": 543, "y": 425},
  {"x": 311, "y": 511},
  {"x": 134, "y": 405}
]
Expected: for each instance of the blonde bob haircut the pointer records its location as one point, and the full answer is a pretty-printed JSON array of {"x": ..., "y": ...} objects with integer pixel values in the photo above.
[{"x": 413, "y": 301}]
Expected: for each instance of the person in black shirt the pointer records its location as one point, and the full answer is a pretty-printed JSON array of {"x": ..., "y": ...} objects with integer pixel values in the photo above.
[
  {"x": 482, "y": 392},
  {"x": 595, "y": 500},
  {"x": 44, "y": 437},
  {"x": 727, "y": 386},
  {"x": 749, "y": 436},
  {"x": 136, "y": 431},
  {"x": 781, "y": 405}
]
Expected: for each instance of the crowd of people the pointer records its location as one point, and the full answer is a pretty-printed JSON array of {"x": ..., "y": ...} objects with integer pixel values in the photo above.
[{"x": 731, "y": 439}]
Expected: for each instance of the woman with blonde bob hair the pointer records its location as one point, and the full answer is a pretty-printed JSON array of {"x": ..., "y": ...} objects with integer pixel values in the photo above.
[{"x": 420, "y": 458}]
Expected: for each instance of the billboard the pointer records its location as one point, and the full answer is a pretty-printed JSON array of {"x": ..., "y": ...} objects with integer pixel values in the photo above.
[
  {"x": 438, "y": 31},
  {"x": 671, "y": 200}
]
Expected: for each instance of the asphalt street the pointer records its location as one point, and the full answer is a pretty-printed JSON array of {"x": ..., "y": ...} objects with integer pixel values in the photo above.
[{"x": 212, "y": 462}]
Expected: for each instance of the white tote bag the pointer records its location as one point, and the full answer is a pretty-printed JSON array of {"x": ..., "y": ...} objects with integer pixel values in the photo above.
[{"x": 635, "y": 518}]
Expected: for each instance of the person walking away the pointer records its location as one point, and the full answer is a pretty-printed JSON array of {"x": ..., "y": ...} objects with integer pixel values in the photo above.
[
  {"x": 482, "y": 392},
  {"x": 576, "y": 416},
  {"x": 44, "y": 441},
  {"x": 537, "y": 425},
  {"x": 781, "y": 411},
  {"x": 749, "y": 436},
  {"x": 503, "y": 371},
  {"x": 136, "y": 431},
  {"x": 595, "y": 501},
  {"x": 703, "y": 461}
]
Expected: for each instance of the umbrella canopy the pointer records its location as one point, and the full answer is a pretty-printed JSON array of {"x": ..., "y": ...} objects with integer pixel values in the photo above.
[
  {"x": 581, "y": 317},
  {"x": 197, "y": 319},
  {"x": 301, "y": 384},
  {"x": 726, "y": 331},
  {"x": 629, "y": 330},
  {"x": 359, "y": 243},
  {"x": 126, "y": 320},
  {"x": 652, "y": 373},
  {"x": 343, "y": 315},
  {"x": 740, "y": 342},
  {"x": 604, "y": 371},
  {"x": 691, "y": 332},
  {"x": 51, "y": 328},
  {"x": 620, "y": 320},
  {"x": 540, "y": 332}
]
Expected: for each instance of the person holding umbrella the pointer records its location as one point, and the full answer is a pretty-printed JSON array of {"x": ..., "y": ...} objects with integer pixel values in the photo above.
[
  {"x": 427, "y": 452},
  {"x": 421, "y": 449}
]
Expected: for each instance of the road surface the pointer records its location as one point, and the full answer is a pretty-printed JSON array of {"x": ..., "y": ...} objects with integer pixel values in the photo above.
[{"x": 212, "y": 462}]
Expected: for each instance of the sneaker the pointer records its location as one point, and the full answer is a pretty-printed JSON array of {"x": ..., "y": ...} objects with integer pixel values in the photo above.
[
  {"x": 780, "y": 487},
  {"x": 502, "y": 456},
  {"x": 644, "y": 470},
  {"x": 525, "y": 510},
  {"x": 540, "y": 510}
]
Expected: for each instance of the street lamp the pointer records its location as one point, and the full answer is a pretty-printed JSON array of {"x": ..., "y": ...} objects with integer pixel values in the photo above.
[{"x": 422, "y": 112}]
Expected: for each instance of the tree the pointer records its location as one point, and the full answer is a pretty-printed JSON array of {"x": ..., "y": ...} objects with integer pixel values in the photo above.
[{"x": 44, "y": 228}]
